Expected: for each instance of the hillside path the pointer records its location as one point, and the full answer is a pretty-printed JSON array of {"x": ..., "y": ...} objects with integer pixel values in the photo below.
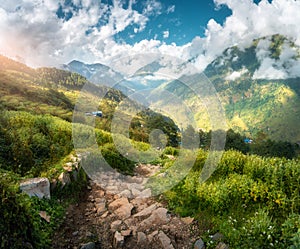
[{"x": 118, "y": 214}]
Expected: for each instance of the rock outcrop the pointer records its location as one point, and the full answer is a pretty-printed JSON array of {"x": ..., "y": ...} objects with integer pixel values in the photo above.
[{"x": 39, "y": 187}]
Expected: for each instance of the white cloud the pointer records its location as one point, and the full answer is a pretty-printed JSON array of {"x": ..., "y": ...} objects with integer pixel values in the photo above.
[
  {"x": 286, "y": 66},
  {"x": 166, "y": 34},
  {"x": 153, "y": 8},
  {"x": 171, "y": 9},
  {"x": 268, "y": 70},
  {"x": 236, "y": 74},
  {"x": 248, "y": 21},
  {"x": 32, "y": 30}
]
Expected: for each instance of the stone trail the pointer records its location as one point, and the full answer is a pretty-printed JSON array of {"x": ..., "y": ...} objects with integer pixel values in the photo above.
[{"x": 119, "y": 212}]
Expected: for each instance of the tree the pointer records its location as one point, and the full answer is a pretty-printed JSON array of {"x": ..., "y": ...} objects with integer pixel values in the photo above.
[{"x": 190, "y": 138}]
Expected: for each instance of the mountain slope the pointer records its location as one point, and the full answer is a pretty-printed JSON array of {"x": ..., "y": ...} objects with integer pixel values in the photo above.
[
  {"x": 56, "y": 92},
  {"x": 96, "y": 73},
  {"x": 253, "y": 102},
  {"x": 258, "y": 87}
]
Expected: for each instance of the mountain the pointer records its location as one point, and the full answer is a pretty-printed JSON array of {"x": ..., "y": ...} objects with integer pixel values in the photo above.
[
  {"x": 69, "y": 96},
  {"x": 96, "y": 73},
  {"x": 258, "y": 86}
]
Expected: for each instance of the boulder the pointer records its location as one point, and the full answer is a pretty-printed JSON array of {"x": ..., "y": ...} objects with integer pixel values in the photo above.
[
  {"x": 142, "y": 238},
  {"x": 39, "y": 187},
  {"x": 158, "y": 217},
  {"x": 118, "y": 240},
  {"x": 165, "y": 241},
  {"x": 64, "y": 178},
  {"x": 124, "y": 211},
  {"x": 199, "y": 244}
]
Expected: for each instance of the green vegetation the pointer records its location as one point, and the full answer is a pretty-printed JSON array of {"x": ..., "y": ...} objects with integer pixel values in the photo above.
[
  {"x": 253, "y": 201},
  {"x": 32, "y": 143},
  {"x": 252, "y": 198},
  {"x": 36, "y": 109},
  {"x": 262, "y": 145},
  {"x": 251, "y": 105},
  {"x": 21, "y": 225}
]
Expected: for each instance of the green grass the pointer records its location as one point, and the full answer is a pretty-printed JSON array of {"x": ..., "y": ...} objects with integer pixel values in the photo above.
[{"x": 253, "y": 201}]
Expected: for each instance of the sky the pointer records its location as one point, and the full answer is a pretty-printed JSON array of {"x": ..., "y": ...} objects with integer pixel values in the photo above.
[{"x": 54, "y": 32}]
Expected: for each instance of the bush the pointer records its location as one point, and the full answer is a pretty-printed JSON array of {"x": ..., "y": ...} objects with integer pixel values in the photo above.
[
  {"x": 234, "y": 195},
  {"x": 30, "y": 142},
  {"x": 17, "y": 207}
]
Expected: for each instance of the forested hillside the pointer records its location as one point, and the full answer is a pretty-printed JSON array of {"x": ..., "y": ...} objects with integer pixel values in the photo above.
[{"x": 36, "y": 113}]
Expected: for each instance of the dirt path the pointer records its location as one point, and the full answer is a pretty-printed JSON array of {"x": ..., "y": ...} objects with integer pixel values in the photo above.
[{"x": 120, "y": 213}]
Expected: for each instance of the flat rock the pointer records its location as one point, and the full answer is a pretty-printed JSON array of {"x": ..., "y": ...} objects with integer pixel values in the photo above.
[
  {"x": 64, "y": 178},
  {"x": 125, "y": 193},
  {"x": 187, "y": 220},
  {"x": 158, "y": 217},
  {"x": 139, "y": 203},
  {"x": 147, "y": 211},
  {"x": 129, "y": 222},
  {"x": 90, "y": 245},
  {"x": 118, "y": 203},
  {"x": 114, "y": 226},
  {"x": 111, "y": 189},
  {"x": 101, "y": 208},
  {"x": 152, "y": 235},
  {"x": 100, "y": 200},
  {"x": 126, "y": 233},
  {"x": 135, "y": 186},
  {"x": 146, "y": 193},
  {"x": 135, "y": 192},
  {"x": 39, "y": 187},
  {"x": 217, "y": 237},
  {"x": 124, "y": 211},
  {"x": 104, "y": 215}
]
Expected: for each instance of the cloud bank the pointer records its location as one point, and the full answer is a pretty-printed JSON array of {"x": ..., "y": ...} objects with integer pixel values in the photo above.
[{"x": 49, "y": 32}]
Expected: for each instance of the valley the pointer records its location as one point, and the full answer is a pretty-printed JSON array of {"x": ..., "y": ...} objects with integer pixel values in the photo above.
[{"x": 250, "y": 197}]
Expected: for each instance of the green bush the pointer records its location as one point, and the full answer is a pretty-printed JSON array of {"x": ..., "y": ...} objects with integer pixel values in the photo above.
[
  {"x": 116, "y": 160},
  {"x": 20, "y": 224},
  {"x": 253, "y": 201},
  {"x": 30, "y": 142}
]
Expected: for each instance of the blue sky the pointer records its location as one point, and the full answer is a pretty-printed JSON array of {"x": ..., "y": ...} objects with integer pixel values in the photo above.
[
  {"x": 183, "y": 20},
  {"x": 53, "y": 32}
]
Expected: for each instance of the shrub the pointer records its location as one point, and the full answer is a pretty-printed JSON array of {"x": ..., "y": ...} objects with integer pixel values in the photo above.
[{"x": 17, "y": 207}]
